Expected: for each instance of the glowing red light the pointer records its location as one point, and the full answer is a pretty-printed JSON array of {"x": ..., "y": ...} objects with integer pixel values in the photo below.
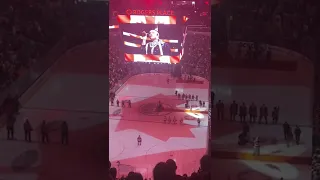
[{"x": 207, "y": 2}]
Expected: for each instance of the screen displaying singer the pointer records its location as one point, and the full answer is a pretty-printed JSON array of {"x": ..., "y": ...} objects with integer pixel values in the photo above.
[
  {"x": 155, "y": 46},
  {"x": 160, "y": 43}
]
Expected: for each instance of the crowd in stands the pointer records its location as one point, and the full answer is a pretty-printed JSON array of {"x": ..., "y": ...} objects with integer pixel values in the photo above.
[
  {"x": 291, "y": 24},
  {"x": 197, "y": 55},
  {"x": 26, "y": 32},
  {"x": 167, "y": 170}
]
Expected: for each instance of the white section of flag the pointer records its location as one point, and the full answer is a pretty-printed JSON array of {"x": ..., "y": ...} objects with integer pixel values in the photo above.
[
  {"x": 142, "y": 58},
  {"x": 131, "y": 44}
]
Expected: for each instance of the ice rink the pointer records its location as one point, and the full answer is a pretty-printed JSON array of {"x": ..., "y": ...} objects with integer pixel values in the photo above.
[
  {"x": 160, "y": 140},
  {"x": 70, "y": 91}
]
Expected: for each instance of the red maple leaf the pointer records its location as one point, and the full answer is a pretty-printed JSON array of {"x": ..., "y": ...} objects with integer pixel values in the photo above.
[{"x": 144, "y": 111}]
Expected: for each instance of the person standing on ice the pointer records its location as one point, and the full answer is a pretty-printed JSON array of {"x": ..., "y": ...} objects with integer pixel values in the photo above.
[{"x": 139, "y": 139}]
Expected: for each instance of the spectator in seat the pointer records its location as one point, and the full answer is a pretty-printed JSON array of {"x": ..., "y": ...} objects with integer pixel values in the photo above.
[
  {"x": 113, "y": 173},
  {"x": 162, "y": 172},
  {"x": 173, "y": 168}
]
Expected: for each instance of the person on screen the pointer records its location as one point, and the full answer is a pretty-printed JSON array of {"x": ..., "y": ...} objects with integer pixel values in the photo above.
[{"x": 156, "y": 46}]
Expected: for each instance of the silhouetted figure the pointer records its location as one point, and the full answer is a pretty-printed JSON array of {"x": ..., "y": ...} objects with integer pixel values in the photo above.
[
  {"x": 252, "y": 113},
  {"x": 243, "y": 112},
  {"x": 161, "y": 171},
  {"x": 220, "y": 110},
  {"x": 275, "y": 115},
  {"x": 286, "y": 128},
  {"x": 297, "y": 133},
  {"x": 233, "y": 111},
  {"x": 172, "y": 169},
  {"x": 289, "y": 137},
  {"x": 10, "y": 127},
  {"x": 266, "y": 114},
  {"x": 27, "y": 130},
  {"x": 118, "y": 102},
  {"x": 64, "y": 133},
  {"x": 44, "y": 132},
  {"x": 263, "y": 114}
]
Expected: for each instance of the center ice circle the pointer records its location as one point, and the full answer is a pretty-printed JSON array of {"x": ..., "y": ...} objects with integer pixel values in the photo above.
[{"x": 150, "y": 109}]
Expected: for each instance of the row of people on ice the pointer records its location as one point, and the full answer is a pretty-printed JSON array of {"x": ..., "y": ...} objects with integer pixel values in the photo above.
[
  {"x": 174, "y": 120},
  {"x": 243, "y": 112},
  {"x": 190, "y": 97},
  {"x": 123, "y": 103},
  {"x": 186, "y": 96},
  {"x": 28, "y": 129},
  {"x": 201, "y": 104}
]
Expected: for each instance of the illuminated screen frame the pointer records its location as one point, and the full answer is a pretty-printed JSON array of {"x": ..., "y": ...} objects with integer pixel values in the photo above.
[{"x": 156, "y": 20}]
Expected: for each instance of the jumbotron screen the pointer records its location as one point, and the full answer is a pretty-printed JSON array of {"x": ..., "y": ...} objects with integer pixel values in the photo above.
[{"x": 152, "y": 38}]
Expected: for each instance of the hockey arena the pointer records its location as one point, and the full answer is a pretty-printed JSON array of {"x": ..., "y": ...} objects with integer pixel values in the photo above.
[{"x": 162, "y": 138}]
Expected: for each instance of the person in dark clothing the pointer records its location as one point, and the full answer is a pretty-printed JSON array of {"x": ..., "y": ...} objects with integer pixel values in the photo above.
[
  {"x": 243, "y": 112},
  {"x": 297, "y": 133},
  {"x": 286, "y": 128},
  {"x": 220, "y": 110},
  {"x": 10, "y": 127},
  {"x": 265, "y": 113},
  {"x": 233, "y": 111},
  {"x": 172, "y": 169},
  {"x": 262, "y": 113},
  {"x": 274, "y": 115},
  {"x": 64, "y": 133},
  {"x": 139, "y": 139},
  {"x": 27, "y": 130},
  {"x": 44, "y": 132},
  {"x": 252, "y": 113}
]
